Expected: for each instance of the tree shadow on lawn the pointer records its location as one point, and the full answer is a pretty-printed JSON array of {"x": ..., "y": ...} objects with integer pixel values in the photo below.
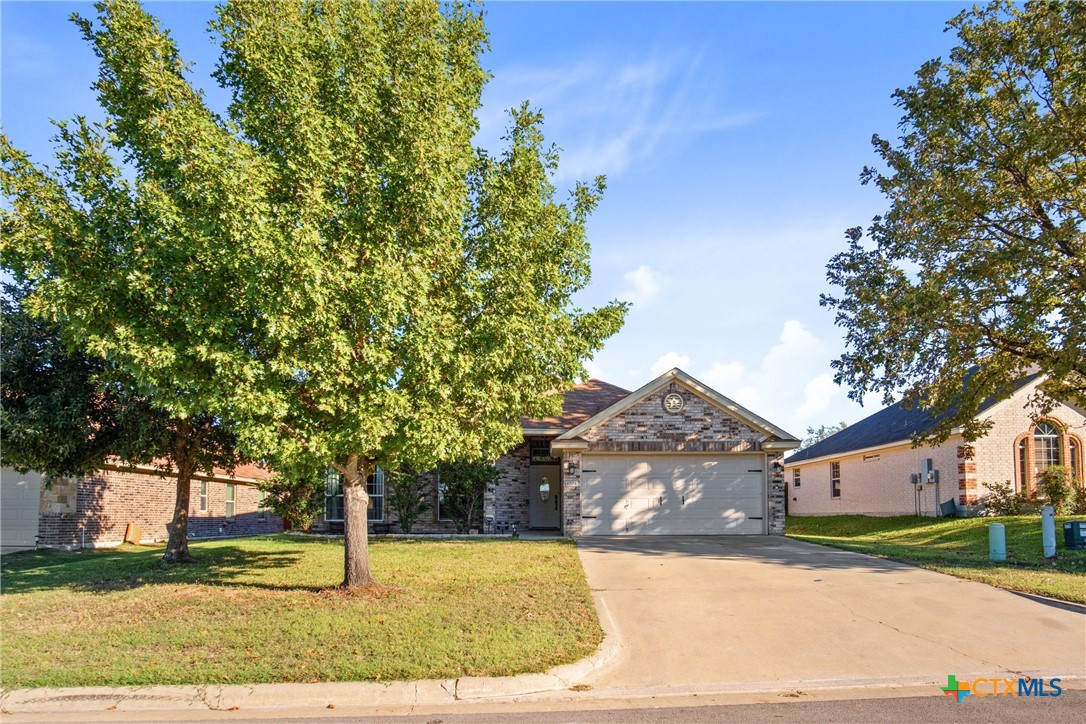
[{"x": 129, "y": 567}]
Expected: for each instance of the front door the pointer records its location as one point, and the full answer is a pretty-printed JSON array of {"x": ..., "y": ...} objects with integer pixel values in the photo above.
[{"x": 545, "y": 501}]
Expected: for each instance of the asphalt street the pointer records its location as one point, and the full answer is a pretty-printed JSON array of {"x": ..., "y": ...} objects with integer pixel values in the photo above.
[{"x": 1068, "y": 707}]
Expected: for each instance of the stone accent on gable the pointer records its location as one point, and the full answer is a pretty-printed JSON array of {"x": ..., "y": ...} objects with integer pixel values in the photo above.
[{"x": 646, "y": 427}]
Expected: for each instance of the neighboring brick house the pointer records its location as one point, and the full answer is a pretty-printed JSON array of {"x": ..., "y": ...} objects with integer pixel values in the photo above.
[
  {"x": 673, "y": 457},
  {"x": 868, "y": 467},
  {"x": 95, "y": 511}
]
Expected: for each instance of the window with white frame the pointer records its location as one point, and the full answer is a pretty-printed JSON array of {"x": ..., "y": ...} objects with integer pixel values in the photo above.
[
  {"x": 1046, "y": 446},
  {"x": 1074, "y": 458},
  {"x": 835, "y": 480},
  {"x": 1023, "y": 466},
  {"x": 795, "y": 478},
  {"x": 230, "y": 491},
  {"x": 333, "y": 496},
  {"x": 442, "y": 514},
  {"x": 203, "y": 496},
  {"x": 375, "y": 487}
]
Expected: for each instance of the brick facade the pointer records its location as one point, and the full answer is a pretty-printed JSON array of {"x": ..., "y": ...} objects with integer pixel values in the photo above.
[
  {"x": 96, "y": 511},
  {"x": 876, "y": 482},
  {"x": 701, "y": 427},
  {"x": 646, "y": 427}
]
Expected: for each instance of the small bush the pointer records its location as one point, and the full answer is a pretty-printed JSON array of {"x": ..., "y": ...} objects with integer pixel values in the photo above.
[
  {"x": 1002, "y": 500},
  {"x": 408, "y": 495},
  {"x": 1080, "y": 500},
  {"x": 1054, "y": 485}
]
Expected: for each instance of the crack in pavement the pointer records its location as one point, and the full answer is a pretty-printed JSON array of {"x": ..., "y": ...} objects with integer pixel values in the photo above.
[{"x": 914, "y": 635}]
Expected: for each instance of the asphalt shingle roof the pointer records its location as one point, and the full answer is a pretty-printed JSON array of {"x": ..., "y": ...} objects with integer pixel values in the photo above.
[
  {"x": 891, "y": 424},
  {"x": 579, "y": 404}
]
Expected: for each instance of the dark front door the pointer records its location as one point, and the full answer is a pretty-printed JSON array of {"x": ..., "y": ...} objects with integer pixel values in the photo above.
[{"x": 545, "y": 491}]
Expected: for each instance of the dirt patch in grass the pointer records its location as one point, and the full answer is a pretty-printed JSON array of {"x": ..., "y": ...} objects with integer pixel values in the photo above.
[
  {"x": 263, "y": 610},
  {"x": 957, "y": 547}
]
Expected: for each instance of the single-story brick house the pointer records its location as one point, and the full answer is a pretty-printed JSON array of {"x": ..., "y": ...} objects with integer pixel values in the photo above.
[
  {"x": 95, "y": 511},
  {"x": 673, "y": 457},
  {"x": 868, "y": 468}
]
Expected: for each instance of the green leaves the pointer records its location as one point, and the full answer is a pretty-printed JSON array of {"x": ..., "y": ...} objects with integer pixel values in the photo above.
[
  {"x": 332, "y": 269},
  {"x": 977, "y": 272}
]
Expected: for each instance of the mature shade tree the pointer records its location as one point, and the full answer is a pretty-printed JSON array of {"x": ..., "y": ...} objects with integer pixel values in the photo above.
[
  {"x": 331, "y": 266},
  {"x": 65, "y": 412},
  {"x": 976, "y": 275},
  {"x": 821, "y": 433}
]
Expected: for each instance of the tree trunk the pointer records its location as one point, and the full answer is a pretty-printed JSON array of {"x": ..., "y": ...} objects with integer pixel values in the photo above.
[
  {"x": 356, "y": 501},
  {"x": 177, "y": 547}
]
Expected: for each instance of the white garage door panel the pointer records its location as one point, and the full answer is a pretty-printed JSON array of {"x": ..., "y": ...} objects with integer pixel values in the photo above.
[
  {"x": 672, "y": 495},
  {"x": 19, "y": 501}
]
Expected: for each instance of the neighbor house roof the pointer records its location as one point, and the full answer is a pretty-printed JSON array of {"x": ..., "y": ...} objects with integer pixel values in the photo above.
[
  {"x": 245, "y": 474},
  {"x": 894, "y": 424},
  {"x": 578, "y": 405}
]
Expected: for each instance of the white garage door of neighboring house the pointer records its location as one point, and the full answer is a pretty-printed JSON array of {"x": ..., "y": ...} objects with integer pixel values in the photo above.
[
  {"x": 672, "y": 494},
  {"x": 20, "y": 496}
]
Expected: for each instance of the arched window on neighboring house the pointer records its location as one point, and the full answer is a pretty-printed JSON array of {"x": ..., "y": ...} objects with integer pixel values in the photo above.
[
  {"x": 1074, "y": 457},
  {"x": 1046, "y": 446},
  {"x": 1023, "y": 466}
]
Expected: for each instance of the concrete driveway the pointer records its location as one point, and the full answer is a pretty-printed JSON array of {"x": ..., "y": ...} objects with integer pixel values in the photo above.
[{"x": 690, "y": 612}]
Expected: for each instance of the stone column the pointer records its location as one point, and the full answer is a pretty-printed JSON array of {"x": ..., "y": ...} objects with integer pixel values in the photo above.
[
  {"x": 776, "y": 492},
  {"x": 571, "y": 493}
]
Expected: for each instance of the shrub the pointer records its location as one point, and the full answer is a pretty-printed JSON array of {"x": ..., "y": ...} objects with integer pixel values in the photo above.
[
  {"x": 408, "y": 496},
  {"x": 463, "y": 486},
  {"x": 300, "y": 501},
  {"x": 1055, "y": 486},
  {"x": 1002, "y": 500},
  {"x": 1080, "y": 500}
]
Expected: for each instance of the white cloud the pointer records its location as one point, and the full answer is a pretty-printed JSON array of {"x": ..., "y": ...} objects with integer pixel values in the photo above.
[
  {"x": 642, "y": 285},
  {"x": 669, "y": 360},
  {"x": 724, "y": 376},
  {"x": 817, "y": 395},
  {"x": 595, "y": 372},
  {"x": 789, "y": 386},
  {"x": 608, "y": 115}
]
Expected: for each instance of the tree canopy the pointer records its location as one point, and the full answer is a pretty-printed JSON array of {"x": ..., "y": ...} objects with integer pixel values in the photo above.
[
  {"x": 66, "y": 413},
  {"x": 329, "y": 265},
  {"x": 976, "y": 274}
]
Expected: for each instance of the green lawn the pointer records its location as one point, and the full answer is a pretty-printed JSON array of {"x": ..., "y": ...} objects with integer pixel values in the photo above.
[
  {"x": 266, "y": 610},
  {"x": 959, "y": 547}
]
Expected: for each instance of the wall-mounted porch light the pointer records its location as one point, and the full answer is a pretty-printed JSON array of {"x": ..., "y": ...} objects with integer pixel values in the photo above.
[{"x": 571, "y": 468}]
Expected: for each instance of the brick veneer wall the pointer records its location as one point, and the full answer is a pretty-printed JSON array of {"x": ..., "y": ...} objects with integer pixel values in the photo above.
[
  {"x": 700, "y": 427},
  {"x": 877, "y": 485},
  {"x": 95, "y": 511},
  {"x": 997, "y": 452},
  {"x": 508, "y": 501}
]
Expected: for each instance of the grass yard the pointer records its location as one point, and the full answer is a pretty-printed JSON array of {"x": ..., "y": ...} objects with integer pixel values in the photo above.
[
  {"x": 261, "y": 610},
  {"x": 959, "y": 547}
]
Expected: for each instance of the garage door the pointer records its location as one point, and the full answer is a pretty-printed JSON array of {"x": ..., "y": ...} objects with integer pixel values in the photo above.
[
  {"x": 672, "y": 495},
  {"x": 19, "y": 501}
]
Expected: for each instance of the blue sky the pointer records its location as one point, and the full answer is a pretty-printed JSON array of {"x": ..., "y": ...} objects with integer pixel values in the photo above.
[{"x": 732, "y": 136}]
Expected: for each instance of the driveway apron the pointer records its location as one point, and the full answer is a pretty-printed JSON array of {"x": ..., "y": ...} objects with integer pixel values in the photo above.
[{"x": 708, "y": 611}]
